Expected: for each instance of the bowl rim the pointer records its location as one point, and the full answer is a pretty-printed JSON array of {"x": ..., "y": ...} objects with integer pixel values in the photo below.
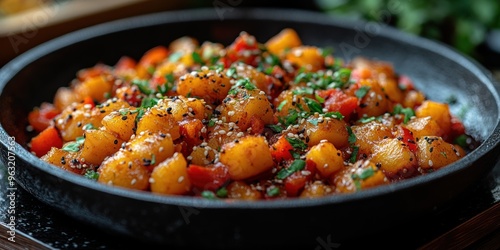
[{"x": 299, "y": 16}]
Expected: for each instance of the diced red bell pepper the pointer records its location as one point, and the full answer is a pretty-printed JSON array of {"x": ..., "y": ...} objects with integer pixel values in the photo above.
[
  {"x": 338, "y": 101},
  {"x": 280, "y": 150},
  {"x": 41, "y": 118},
  {"x": 43, "y": 142},
  {"x": 408, "y": 138},
  {"x": 208, "y": 178},
  {"x": 88, "y": 100}
]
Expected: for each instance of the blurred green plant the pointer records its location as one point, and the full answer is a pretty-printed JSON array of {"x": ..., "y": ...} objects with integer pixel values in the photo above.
[{"x": 463, "y": 24}]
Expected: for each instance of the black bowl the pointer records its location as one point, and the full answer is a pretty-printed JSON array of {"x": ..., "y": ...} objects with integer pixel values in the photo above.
[{"x": 438, "y": 70}]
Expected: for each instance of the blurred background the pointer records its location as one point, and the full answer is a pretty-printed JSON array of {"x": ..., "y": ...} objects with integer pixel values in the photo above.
[{"x": 472, "y": 27}]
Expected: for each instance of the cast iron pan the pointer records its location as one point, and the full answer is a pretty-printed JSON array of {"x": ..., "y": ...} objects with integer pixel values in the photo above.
[{"x": 438, "y": 70}]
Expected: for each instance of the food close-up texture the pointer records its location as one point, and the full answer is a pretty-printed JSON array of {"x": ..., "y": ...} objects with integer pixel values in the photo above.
[{"x": 252, "y": 120}]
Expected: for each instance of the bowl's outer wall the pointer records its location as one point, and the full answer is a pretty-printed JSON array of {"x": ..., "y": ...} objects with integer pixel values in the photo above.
[{"x": 440, "y": 75}]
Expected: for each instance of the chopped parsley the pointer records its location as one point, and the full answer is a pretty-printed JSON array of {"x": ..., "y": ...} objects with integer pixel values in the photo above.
[
  {"x": 275, "y": 128},
  {"x": 352, "y": 136},
  {"x": 407, "y": 112},
  {"x": 91, "y": 174},
  {"x": 207, "y": 194},
  {"x": 75, "y": 145},
  {"x": 143, "y": 86},
  {"x": 313, "y": 105},
  {"x": 88, "y": 126},
  {"x": 211, "y": 123},
  {"x": 361, "y": 92},
  {"x": 231, "y": 72},
  {"x": 354, "y": 154},
  {"x": 221, "y": 192},
  {"x": 296, "y": 143},
  {"x": 273, "y": 191},
  {"x": 365, "y": 174},
  {"x": 197, "y": 58},
  {"x": 296, "y": 165},
  {"x": 461, "y": 140}
]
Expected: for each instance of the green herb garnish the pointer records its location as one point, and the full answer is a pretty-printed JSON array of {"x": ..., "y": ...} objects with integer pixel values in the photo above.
[
  {"x": 75, "y": 145},
  {"x": 272, "y": 192},
  {"x": 197, "y": 58},
  {"x": 313, "y": 105},
  {"x": 91, "y": 174},
  {"x": 174, "y": 57},
  {"x": 88, "y": 126},
  {"x": 296, "y": 143},
  {"x": 143, "y": 86},
  {"x": 407, "y": 112},
  {"x": 208, "y": 195},
  {"x": 361, "y": 92},
  {"x": 296, "y": 165},
  {"x": 275, "y": 128}
]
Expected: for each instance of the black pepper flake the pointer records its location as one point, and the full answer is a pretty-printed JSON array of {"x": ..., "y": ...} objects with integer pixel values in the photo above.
[
  {"x": 115, "y": 141},
  {"x": 431, "y": 149},
  {"x": 378, "y": 165},
  {"x": 124, "y": 117},
  {"x": 146, "y": 162},
  {"x": 169, "y": 110},
  {"x": 363, "y": 105},
  {"x": 102, "y": 111},
  {"x": 307, "y": 139},
  {"x": 79, "y": 124},
  {"x": 163, "y": 135},
  {"x": 63, "y": 161}
]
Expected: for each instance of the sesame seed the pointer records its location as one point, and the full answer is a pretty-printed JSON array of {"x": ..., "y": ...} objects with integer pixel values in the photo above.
[
  {"x": 431, "y": 163},
  {"x": 151, "y": 180},
  {"x": 181, "y": 178},
  {"x": 133, "y": 181}
]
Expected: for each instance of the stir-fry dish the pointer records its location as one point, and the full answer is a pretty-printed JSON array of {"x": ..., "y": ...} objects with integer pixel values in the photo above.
[{"x": 251, "y": 120}]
